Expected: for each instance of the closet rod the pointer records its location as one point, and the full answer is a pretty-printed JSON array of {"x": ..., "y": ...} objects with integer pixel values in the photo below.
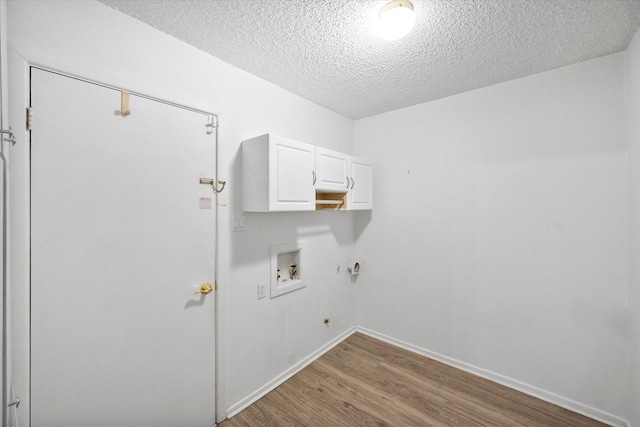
[
  {"x": 330, "y": 202},
  {"x": 140, "y": 95}
]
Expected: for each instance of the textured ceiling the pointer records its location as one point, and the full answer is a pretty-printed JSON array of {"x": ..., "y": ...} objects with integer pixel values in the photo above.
[{"x": 327, "y": 51}]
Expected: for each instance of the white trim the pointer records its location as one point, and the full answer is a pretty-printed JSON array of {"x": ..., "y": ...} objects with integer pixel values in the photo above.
[
  {"x": 275, "y": 382},
  {"x": 5, "y": 295},
  {"x": 563, "y": 402},
  {"x": 19, "y": 270}
]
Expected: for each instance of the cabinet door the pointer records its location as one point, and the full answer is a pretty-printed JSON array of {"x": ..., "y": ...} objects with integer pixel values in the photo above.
[
  {"x": 332, "y": 170},
  {"x": 291, "y": 175},
  {"x": 361, "y": 188}
]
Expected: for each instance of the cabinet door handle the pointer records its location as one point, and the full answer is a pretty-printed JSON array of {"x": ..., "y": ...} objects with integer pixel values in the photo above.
[
  {"x": 347, "y": 182},
  {"x": 352, "y": 183},
  {"x": 314, "y": 177}
]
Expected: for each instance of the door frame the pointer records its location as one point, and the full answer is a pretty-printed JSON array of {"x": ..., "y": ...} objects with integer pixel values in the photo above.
[
  {"x": 19, "y": 253},
  {"x": 5, "y": 295}
]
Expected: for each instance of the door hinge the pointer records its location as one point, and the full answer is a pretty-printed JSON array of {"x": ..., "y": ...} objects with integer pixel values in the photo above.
[
  {"x": 212, "y": 123},
  {"x": 30, "y": 118}
]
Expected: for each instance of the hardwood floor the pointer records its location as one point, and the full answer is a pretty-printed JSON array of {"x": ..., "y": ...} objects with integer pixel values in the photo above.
[{"x": 366, "y": 382}]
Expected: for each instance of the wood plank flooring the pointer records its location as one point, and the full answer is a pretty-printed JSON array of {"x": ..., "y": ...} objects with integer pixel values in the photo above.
[{"x": 366, "y": 382}]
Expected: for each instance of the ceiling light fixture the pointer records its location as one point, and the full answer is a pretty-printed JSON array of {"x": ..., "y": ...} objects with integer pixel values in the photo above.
[{"x": 396, "y": 19}]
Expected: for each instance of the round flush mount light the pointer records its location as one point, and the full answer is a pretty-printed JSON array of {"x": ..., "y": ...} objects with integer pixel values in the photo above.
[{"x": 395, "y": 20}]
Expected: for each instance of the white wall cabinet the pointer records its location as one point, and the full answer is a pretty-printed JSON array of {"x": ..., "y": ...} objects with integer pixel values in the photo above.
[
  {"x": 332, "y": 171},
  {"x": 360, "y": 195},
  {"x": 278, "y": 174},
  {"x": 340, "y": 173}
]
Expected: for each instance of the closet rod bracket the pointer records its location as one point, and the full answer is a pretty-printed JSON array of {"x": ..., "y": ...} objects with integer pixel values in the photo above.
[{"x": 212, "y": 124}]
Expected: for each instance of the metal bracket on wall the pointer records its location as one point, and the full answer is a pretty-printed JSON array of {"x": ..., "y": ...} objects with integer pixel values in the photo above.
[{"x": 212, "y": 123}]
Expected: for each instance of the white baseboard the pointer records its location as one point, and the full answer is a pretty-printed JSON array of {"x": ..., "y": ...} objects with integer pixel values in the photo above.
[
  {"x": 271, "y": 385},
  {"x": 547, "y": 396},
  {"x": 596, "y": 414}
]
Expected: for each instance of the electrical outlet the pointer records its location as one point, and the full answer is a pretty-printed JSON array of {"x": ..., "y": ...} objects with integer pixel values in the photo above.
[{"x": 261, "y": 291}]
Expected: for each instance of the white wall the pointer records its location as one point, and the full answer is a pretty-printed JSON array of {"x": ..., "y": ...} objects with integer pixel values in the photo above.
[
  {"x": 633, "y": 128},
  {"x": 499, "y": 235},
  {"x": 263, "y": 337}
]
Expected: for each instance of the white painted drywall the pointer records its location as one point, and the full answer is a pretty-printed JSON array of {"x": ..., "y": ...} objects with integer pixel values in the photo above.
[
  {"x": 263, "y": 337},
  {"x": 499, "y": 236},
  {"x": 500, "y": 233},
  {"x": 633, "y": 135}
]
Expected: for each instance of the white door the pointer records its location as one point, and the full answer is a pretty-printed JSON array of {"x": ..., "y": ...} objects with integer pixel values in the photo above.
[{"x": 122, "y": 237}]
